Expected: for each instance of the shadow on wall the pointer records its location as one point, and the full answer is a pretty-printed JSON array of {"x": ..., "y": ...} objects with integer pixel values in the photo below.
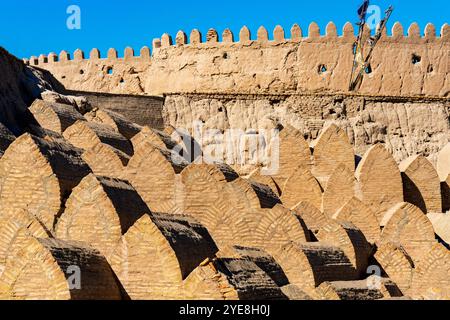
[
  {"x": 140, "y": 109},
  {"x": 32, "y": 82},
  {"x": 412, "y": 194},
  {"x": 445, "y": 192},
  {"x": 20, "y": 85}
]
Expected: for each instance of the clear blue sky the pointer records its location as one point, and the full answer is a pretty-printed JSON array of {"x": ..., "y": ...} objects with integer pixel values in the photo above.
[{"x": 33, "y": 27}]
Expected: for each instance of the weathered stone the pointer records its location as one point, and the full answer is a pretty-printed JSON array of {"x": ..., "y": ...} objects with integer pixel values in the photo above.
[
  {"x": 118, "y": 122},
  {"x": 341, "y": 187},
  {"x": 105, "y": 160},
  {"x": 207, "y": 198},
  {"x": 99, "y": 211},
  {"x": 257, "y": 195},
  {"x": 41, "y": 270},
  {"x": 313, "y": 218},
  {"x": 170, "y": 247},
  {"x": 276, "y": 227},
  {"x": 362, "y": 217},
  {"x": 308, "y": 265},
  {"x": 156, "y": 137},
  {"x": 348, "y": 238},
  {"x": 37, "y": 175},
  {"x": 292, "y": 292},
  {"x": 80, "y": 103},
  {"x": 441, "y": 225},
  {"x": 54, "y": 116},
  {"x": 357, "y": 290},
  {"x": 406, "y": 225},
  {"x": 301, "y": 186},
  {"x": 397, "y": 264},
  {"x": 432, "y": 275},
  {"x": 421, "y": 184},
  {"x": 380, "y": 180},
  {"x": 10, "y": 227},
  {"x": 331, "y": 149},
  {"x": 293, "y": 152},
  {"x": 154, "y": 173},
  {"x": 257, "y": 176},
  {"x": 85, "y": 135},
  {"x": 230, "y": 279},
  {"x": 443, "y": 162},
  {"x": 261, "y": 258}
]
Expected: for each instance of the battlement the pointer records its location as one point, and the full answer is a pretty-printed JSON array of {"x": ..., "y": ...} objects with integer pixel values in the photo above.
[
  {"x": 415, "y": 63},
  {"x": 65, "y": 57},
  {"x": 414, "y": 35}
]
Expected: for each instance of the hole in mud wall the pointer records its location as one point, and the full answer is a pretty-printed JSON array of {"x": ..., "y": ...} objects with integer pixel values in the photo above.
[
  {"x": 81, "y": 71},
  {"x": 322, "y": 69},
  {"x": 63, "y": 77},
  {"x": 225, "y": 55},
  {"x": 368, "y": 69},
  {"x": 430, "y": 68},
  {"x": 274, "y": 102},
  {"x": 110, "y": 70},
  {"x": 415, "y": 59},
  {"x": 220, "y": 109}
]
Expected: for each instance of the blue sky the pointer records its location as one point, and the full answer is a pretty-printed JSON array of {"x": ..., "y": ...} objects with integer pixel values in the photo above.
[{"x": 34, "y": 27}]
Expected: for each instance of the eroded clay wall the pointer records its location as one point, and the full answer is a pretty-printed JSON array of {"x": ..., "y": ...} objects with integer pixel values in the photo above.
[
  {"x": 407, "y": 126},
  {"x": 142, "y": 110},
  {"x": 402, "y": 65}
]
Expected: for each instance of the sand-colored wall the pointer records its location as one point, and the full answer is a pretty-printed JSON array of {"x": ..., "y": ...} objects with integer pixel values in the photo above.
[
  {"x": 257, "y": 64},
  {"x": 408, "y": 126}
]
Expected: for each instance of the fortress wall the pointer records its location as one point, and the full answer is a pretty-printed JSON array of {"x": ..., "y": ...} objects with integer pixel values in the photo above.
[
  {"x": 140, "y": 109},
  {"x": 406, "y": 125},
  {"x": 93, "y": 73},
  {"x": 247, "y": 64}
]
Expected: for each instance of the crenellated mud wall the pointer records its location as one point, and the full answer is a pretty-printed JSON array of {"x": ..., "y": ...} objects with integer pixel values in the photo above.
[{"x": 402, "y": 65}]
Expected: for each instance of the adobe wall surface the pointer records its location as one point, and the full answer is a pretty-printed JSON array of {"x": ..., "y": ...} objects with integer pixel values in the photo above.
[
  {"x": 143, "y": 110},
  {"x": 261, "y": 65},
  {"x": 407, "y": 126}
]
